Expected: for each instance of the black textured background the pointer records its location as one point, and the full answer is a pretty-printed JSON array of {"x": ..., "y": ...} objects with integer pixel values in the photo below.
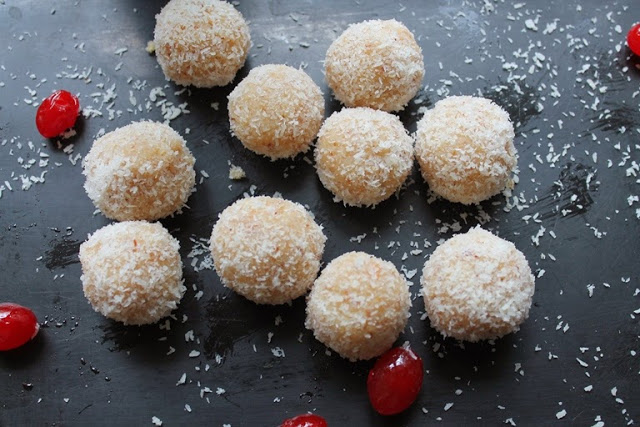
[{"x": 116, "y": 375}]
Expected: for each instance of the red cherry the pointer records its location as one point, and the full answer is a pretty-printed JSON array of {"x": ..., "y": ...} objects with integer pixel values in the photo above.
[
  {"x": 633, "y": 39},
  {"x": 306, "y": 420},
  {"x": 395, "y": 380},
  {"x": 18, "y": 325},
  {"x": 57, "y": 113}
]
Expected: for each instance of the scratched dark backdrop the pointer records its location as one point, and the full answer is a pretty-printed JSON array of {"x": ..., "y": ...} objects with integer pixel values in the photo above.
[{"x": 561, "y": 70}]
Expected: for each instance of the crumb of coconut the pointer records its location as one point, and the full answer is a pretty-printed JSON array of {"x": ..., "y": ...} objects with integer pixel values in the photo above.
[
  {"x": 236, "y": 173},
  {"x": 68, "y": 134},
  {"x": 156, "y": 421},
  {"x": 151, "y": 47}
]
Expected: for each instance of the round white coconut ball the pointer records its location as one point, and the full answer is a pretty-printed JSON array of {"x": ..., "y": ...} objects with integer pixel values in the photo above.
[
  {"x": 132, "y": 272},
  {"x": 276, "y": 111},
  {"x": 358, "y": 306},
  {"x": 142, "y": 171},
  {"x": 477, "y": 286},
  {"x": 375, "y": 64},
  {"x": 201, "y": 42},
  {"x": 363, "y": 156},
  {"x": 267, "y": 249},
  {"x": 464, "y": 146}
]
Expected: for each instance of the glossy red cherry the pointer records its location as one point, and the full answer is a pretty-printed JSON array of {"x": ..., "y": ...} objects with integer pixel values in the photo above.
[
  {"x": 57, "y": 113},
  {"x": 18, "y": 325},
  {"x": 395, "y": 380},
  {"x": 633, "y": 39},
  {"x": 306, "y": 420}
]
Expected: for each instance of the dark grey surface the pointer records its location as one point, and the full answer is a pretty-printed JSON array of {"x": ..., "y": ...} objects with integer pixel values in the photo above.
[{"x": 116, "y": 375}]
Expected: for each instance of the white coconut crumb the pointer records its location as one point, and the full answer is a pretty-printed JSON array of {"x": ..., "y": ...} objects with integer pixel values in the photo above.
[
  {"x": 561, "y": 414},
  {"x": 220, "y": 391},
  {"x": 582, "y": 363},
  {"x": 530, "y": 24},
  {"x": 236, "y": 173},
  {"x": 203, "y": 391},
  {"x": 358, "y": 238},
  {"x": 151, "y": 47},
  {"x": 194, "y": 353},
  {"x": 156, "y": 421},
  {"x": 588, "y": 388},
  {"x": 182, "y": 380},
  {"x": 187, "y": 407},
  {"x": 277, "y": 352},
  {"x": 448, "y": 406}
]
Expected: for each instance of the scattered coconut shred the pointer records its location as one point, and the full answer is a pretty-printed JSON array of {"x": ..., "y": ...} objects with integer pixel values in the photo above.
[
  {"x": 236, "y": 173},
  {"x": 603, "y": 153}
]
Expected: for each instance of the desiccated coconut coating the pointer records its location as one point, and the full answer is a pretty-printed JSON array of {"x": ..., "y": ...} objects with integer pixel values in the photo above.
[
  {"x": 358, "y": 306},
  {"x": 267, "y": 249},
  {"x": 464, "y": 146},
  {"x": 142, "y": 171},
  {"x": 132, "y": 272},
  {"x": 375, "y": 64},
  {"x": 276, "y": 111},
  {"x": 201, "y": 42},
  {"x": 363, "y": 156},
  {"x": 477, "y": 286}
]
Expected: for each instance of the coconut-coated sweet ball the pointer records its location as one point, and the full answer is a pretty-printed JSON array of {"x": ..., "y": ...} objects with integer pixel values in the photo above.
[
  {"x": 267, "y": 249},
  {"x": 358, "y": 306},
  {"x": 375, "y": 64},
  {"x": 142, "y": 171},
  {"x": 363, "y": 156},
  {"x": 132, "y": 272},
  {"x": 464, "y": 146},
  {"x": 477, "y": 286},
  {"x": 201, "y": 42},
  {"x": 276, "y": 111}
]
